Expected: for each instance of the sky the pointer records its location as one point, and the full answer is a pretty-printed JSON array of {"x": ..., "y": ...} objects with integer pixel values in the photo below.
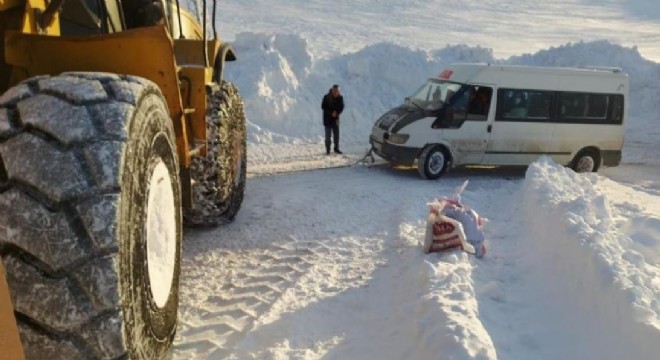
[{"x": 325, "y": 260}]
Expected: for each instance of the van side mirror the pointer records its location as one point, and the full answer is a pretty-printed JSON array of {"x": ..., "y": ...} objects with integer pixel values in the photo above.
[
  {"x": 457, "y": 119},
  {"x": 449, "y": 118}
]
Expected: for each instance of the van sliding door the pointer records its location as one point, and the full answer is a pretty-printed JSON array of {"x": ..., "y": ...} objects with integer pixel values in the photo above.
[{"x": 522, "y": 130}]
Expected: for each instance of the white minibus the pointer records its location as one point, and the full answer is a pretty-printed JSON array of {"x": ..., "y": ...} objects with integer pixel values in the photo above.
[{"x": 507, "y": 115}]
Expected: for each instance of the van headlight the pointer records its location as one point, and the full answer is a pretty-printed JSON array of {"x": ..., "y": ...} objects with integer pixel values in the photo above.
[{"x": 398, "y": 138}]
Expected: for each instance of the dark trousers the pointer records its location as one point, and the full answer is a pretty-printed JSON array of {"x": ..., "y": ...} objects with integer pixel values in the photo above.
[{"x": 334, "y": 129}]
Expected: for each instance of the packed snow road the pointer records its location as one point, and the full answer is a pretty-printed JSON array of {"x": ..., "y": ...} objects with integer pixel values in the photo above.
[{"x": 328, "y": 264}]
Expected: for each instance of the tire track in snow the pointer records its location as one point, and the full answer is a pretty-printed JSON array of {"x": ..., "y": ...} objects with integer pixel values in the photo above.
[
  {"x": 256, "y": 281},
  {"x": 279, "y": 256}
]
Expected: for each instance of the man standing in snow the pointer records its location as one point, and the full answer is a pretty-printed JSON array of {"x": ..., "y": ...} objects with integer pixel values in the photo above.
[{"x": 332, "y": 105}]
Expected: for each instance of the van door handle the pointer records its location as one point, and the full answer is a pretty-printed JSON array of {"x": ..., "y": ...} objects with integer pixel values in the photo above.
[{"x": 490, "y": 128}]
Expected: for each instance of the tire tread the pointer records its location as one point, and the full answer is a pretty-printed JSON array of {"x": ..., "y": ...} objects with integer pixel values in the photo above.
[
  {"x": 217, "y": 201},
  {"x": 63, "y": 183}
]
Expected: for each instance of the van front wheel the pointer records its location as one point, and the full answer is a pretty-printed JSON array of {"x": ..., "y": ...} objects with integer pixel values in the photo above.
[
  {"x": 586, "y": 161},
  {"x": 433, "y": 162}
]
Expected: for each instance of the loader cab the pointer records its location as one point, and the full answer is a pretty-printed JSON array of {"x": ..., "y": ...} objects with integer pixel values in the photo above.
[{"x": 90, "y": 17}]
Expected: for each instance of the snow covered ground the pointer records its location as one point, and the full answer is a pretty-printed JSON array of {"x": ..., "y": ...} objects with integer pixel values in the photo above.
[{"x": 325, "y": 261}]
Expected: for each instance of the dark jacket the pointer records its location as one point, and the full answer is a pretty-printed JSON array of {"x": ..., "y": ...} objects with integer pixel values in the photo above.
[{"x": 329, "y": 105}]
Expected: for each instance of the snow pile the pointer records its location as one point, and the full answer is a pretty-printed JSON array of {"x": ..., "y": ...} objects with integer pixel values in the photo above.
[
  {"x": 634, "y": 191},
  {"x": 283, "y": 84},
  {"x": 589, "y": 269},
  {"x": 269, "y": 74}
]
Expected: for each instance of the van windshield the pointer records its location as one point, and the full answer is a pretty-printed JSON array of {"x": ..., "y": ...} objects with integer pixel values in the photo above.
[{"x": 433, "y": 94}]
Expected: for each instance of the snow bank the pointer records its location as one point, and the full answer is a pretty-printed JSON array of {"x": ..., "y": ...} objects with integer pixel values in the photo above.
[
  {"x": 587, "y": 266},
  {"x": 283, "y": 84},
  {"x": 450, "y": 312}
]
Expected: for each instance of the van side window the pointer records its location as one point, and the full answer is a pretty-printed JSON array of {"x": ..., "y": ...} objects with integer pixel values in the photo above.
[
  {"x": 524, "y": 105},
  {"x": 590, "y": 108},
  {"x": 597, "y": 106},
  {"x": 572, "y": 105},
  {"x": 480, "y": 97}
]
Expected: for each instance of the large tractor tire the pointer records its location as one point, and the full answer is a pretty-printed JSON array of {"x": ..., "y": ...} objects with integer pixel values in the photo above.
[
  {"x": 219, "y": 178},
  {"x": 90, "y": 216}
]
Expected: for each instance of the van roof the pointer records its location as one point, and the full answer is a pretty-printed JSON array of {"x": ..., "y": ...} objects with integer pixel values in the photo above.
[
  {"x": 537, "y": 76},
  {"x": 474, "y": 68}
]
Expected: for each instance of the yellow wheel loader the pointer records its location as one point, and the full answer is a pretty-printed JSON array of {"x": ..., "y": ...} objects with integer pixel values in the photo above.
[{"x": 116, "y": 129}]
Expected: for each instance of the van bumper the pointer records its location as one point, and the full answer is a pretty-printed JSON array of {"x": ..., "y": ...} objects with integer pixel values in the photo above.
[
  {"x": 394, "y": 153},
  {"x": 611, "y": 157}
]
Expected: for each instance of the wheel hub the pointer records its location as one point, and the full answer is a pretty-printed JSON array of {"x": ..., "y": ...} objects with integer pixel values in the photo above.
[
  {"x": 585, "y": 164},
  {"x": 436, "y": 162},
  {"x": 161, "y": 234}
]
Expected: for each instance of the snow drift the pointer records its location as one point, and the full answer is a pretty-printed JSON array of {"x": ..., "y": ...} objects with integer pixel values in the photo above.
[{"x": 589, "y": 268}]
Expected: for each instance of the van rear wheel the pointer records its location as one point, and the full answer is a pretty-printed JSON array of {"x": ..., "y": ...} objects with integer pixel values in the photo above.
[
  {"x": 586, "y": 161},
  {"x": 433, "y": 162}
]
